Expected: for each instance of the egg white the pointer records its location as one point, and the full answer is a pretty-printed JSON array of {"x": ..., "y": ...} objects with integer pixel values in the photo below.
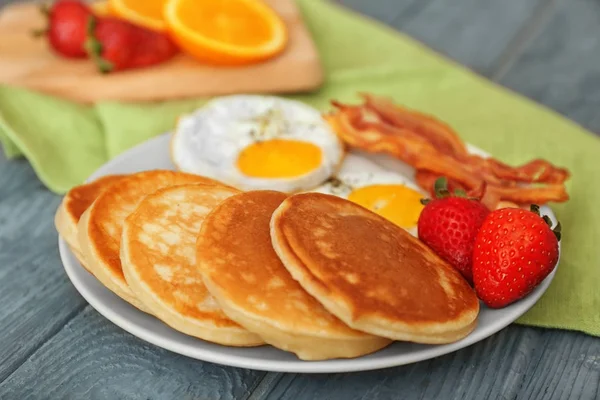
[
  {"x": 208, "y": 142},
  {"x": 357, "y": 172}
]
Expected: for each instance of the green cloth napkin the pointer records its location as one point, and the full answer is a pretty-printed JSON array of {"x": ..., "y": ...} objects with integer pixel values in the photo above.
[{"x": 66, "y": 142}]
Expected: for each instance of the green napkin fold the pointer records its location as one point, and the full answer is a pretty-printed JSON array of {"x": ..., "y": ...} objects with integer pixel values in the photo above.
[{"x": 66, "y": 142}]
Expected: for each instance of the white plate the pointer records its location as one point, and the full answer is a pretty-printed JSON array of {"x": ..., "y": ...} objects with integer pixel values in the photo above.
[{"x": 153, "y": 154}]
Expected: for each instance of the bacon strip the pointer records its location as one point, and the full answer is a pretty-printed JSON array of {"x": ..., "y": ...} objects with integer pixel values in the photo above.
[
  {"x": 435, "y": 150},
  {"x": 439, "y": 134}
]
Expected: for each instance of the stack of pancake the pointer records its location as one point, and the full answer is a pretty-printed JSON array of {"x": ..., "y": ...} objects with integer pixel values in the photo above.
[{"x": 308, "y": 273}]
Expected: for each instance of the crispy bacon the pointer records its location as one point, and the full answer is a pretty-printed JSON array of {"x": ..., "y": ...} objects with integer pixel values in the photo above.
[
  {"x": 440, "y": 135},
  {"x": 435, "y": 150}
]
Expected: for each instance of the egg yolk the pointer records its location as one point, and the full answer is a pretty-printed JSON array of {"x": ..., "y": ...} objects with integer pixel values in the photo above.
[
  {"x": 278, "y": 158},
  {"x": 397, "y": 203}
]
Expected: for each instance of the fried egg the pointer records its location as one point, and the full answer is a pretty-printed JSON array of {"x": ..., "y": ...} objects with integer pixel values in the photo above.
[
  {"x": 389, "y": 194},
  {"x": 257, "y": 142}
]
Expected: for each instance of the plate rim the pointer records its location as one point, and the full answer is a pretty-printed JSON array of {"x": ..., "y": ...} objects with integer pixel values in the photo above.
[{"x": 76, "y": 272}]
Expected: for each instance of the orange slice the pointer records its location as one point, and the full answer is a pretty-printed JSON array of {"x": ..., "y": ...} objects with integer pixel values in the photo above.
[
  {"x": 227, "y": 32},
  {"x": 146, "y": 13},
  {"x": 101, "y": 8}
]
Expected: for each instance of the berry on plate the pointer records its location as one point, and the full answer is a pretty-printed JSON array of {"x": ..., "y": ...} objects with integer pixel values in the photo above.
[
  {"x": 449, "y": 224},
  {"x": 515, "y": 250}
]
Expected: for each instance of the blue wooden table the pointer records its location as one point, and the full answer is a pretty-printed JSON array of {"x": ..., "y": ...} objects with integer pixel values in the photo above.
[{"x": 53, "y": 345}]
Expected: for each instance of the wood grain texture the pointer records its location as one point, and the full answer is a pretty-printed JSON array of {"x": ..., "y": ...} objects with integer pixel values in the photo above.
[
  {"x": 518, "y": 362},
  {"x": 40, "y": 357},
  {"x": 561, "y": 66},
  {"x": 387, "y": 11},
  {"x": 7, "y": 2},
  {"x": 92, "y": 358},
  {"x": 36, "y": 298},
  {"x": 473, "y": 32},
  {"x": 547, "y": 49},
  {"x": 29, "y": 62}
]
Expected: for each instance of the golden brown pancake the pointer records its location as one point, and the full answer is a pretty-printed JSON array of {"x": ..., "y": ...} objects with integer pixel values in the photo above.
[
  {"x": 242, "y": 271},
  {"x": 158, "y": 255},
  {"x": 370, "y": 273},
  {"x": 100, "y": 226},
  {"x": 75, "y": 202}
]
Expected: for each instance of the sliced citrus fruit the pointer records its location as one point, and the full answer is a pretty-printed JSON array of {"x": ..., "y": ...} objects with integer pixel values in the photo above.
[
  {"x": 226, "y": 32},
  {"x": 147, "y": 13}
]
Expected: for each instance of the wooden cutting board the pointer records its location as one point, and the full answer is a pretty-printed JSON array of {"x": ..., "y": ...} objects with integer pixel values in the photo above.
[{"x": 28, "y": 62}]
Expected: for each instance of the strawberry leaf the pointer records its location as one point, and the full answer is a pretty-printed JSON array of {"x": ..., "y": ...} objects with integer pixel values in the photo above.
[
  {"x": 443, "y": 193},
  {"x": 558, "y": 235},
  {"x": 460, "y": 193},
  {"x": 558, "y": 227},
  {"x": 535, "y": 209},
  {"x": 440, "y": 187},
  {"x": 36, "y": 33},
  {"x": 45, "y": 9},
  {"x": 94, "y": 48},
  {"x": 557, "y": 231},
  {"x": 547, "y": 220}
]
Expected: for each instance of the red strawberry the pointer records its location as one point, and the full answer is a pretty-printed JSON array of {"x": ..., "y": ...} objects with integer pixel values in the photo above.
[
  {"x": 449, "y": 224},
  {"x": 514, "y": 251},
  {"x": 117, "y": 45},
  {"x": 66, "y": 30},
  {"x": 152, "y": 48},
  {"x": 111, "y": 43}
]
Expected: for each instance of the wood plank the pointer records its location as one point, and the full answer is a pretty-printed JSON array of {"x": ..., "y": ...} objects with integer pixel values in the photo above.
[
  {"x": 533, "y": 361},
  {"x": 35, "y": 294},
  {"x": 7, "y": 2},
  {"x": 28, "y": 62},
  {"x": 38, "y": 300},
  {"x": 473, "y": 32},
  {"x": 386, "y": 11},
  {"x": 515, "y": 363},
  {"x": 565, "y": 365},
  {"x": 519, "y": 362},
  {"x": 92, "y": 358},
  {"x": 561, "y": 67}
]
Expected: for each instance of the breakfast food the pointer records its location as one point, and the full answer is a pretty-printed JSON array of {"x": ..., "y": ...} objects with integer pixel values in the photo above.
[
  {"x": 127, "y": 34},
  {"x": 389, "y": 194},
  {"x": 116, "y": 45},
  {"x": 435, "y": 150},
  {"x": 515, "y": 251},
  {"x": 76, "y": 30},
  {"x": 242, "y": 271},
  {"x": 67, "y": 27},
  {"x": 100, "y": 227},
  {"x": 146, "y": 13},
  {"x": 73, "y": 205},
  {"x": 449, "y": 224},
  {"x": 230, "y": 32},
  {"x": 158, "y": 256},
  {"x": 370, "y": 273},
  {"x": 337, "y": 270},
  {"x": 257, "y": 142}
]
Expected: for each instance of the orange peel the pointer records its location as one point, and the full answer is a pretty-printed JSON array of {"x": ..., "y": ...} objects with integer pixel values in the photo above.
[{"x": 230, "y": 32}]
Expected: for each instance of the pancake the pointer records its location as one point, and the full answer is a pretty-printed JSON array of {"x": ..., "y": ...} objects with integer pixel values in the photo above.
[
  {"x": 158, "y": 256},
  {"x": 75, "y": 202},
  {"x": 370, "y": 273},
  {"x": 242, "y": 271},
  {"x": 100, "y": 226}
]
